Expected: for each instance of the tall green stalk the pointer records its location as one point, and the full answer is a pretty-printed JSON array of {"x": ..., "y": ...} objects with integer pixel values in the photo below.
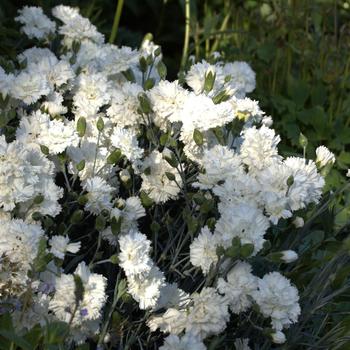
[
  {"x": 187, "y": 34},
  {"x": 118, "y": 13}
]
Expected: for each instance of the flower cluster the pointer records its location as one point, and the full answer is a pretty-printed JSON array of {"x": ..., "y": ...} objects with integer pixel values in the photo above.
[{"x": 105, "y": 163}]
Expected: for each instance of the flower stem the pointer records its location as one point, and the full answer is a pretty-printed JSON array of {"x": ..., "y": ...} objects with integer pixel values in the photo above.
[
  {"x": 118, "y": 13},
  {"x": 187, "y": 34}
]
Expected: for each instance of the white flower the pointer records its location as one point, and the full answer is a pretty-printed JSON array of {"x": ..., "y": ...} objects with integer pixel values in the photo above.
[
  {"x": 29, "y": 87},
  {"x": 242, "y": 77},
  {"x": 19, "y": 244},
  {"x": 38, "y": 129},
  {"x": 126, "y": 141},
  {"x": 237, "y": 189},
  {"x": 307, "y": 183},
  {"x": 94, "y": 157},
  {"x": 145, "y": 288},
  {"x": 348, "y": 173},
  {"x": 24, "y": 174},
  {"x": 278, "y": 337},
  {"x": 91, "y": 93},
  {"x": 54, "y": 104},
  {"x": 244, "y": 221},
  {"x": 34, "y": 55},
  {"x": 57, "y": 72},
  {"x": 277, "y": 299},
  {"x": 167, "y": 99},
  {"x": 57, "y": 136},
  {"x": 99, "y": 195},
  {"x": 208, "y": 315},
  {"x": 133, "y": 209},
  {"x": 172, "y": 296},
  {"x": 36, "y": 24},
  {"x": 195, "y": 77},
  {"x": 84, "y": 314},
  {"x": 6, "y": 81},
  {"x": 240, "y": 285},
  {"x": 203, "y": 250},
  {"x": 186, "y": 342},
  {"x": 155, "y": 182},
  {"x": 274, "y": 183},
  {"x": 200, "y": 112},
  {"x": 259, "y": 147},
  {"x": 324, "y": 156},
  {"x": 75, "y": 27},
  {"x": 124, "y": 105},
  {"x": 246, "y": 109},
  {"x": 61, "y": 244},
  {"x": 134, "y": 253},
  {"x": 65, "y": 13},
  {"x": 172, "y": 321},
  {"x": 220, "y": 163}
]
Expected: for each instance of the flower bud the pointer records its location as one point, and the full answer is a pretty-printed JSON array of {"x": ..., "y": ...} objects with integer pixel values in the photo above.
[
  {"x": 285, "y": 256},
  {"x": 324, "y": 157},
  {"x": 298, "y": 222},
  {"x": 124, "y": 175},
  {"x": 289, "y": 256},
  {"x": 278, "y": 337},
  {"x": 209, "y": 81}
]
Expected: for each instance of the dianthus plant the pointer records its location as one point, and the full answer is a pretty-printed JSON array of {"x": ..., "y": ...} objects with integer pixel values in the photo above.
[{"x": 139, "y": 212}]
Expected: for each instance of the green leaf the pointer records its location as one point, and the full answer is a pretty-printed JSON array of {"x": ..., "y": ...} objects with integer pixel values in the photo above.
[
  {"x": 17, "y": 340},
  {"x": 170, "y": 176},
  {"x": 266, "y": 51},
  {"x": 56, "y": 333},
  {"x": 298, "y": 91}
]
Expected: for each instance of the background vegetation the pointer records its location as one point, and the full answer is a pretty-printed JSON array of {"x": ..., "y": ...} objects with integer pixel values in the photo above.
[{"x": 300, "y": 52}]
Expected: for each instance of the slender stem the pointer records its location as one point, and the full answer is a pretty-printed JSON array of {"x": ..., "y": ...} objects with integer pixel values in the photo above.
[
  {"x": 187, "y": 34},
  {"x": 118, "y": 13}
]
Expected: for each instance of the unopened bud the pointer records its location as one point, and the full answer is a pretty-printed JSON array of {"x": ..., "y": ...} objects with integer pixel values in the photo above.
[
  {"x": 298, "y": 222},
  {"x": 278, "y": 337}
]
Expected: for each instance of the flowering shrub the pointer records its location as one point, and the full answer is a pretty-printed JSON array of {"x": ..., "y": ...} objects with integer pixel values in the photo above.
[{"x": 135, "y": 210}]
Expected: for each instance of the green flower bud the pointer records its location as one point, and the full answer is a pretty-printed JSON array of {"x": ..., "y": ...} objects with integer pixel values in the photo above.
[{"x": 81, "y": 126}]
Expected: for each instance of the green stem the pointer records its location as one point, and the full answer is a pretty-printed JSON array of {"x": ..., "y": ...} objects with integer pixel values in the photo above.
[
  {"x": 187, "y": 34},
  {"x": 118, "y": 13}
]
